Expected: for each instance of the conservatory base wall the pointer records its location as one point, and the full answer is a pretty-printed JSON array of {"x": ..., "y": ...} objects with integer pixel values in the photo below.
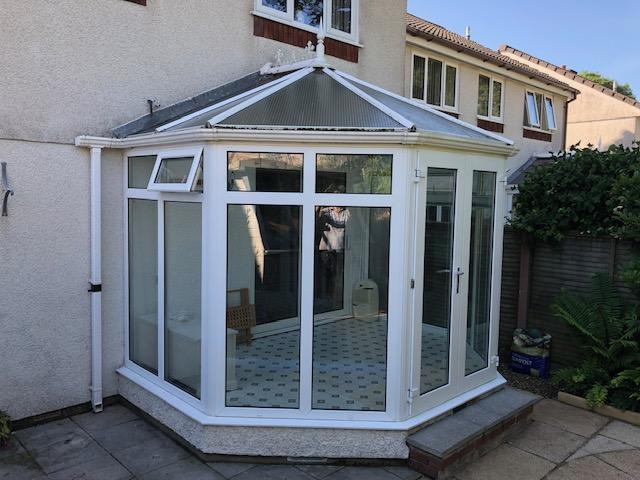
[{"x": 268, "y": 441}]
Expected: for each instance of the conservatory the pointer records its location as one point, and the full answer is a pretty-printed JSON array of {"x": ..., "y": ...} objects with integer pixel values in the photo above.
[{"x": 312, "y": 268}]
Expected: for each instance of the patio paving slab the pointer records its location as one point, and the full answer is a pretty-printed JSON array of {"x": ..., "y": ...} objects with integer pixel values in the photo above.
[
  {"x": 187, "y": 469},
  {"x": 506, "y": 463},
  {"x": 273, "y": 472},
  {"x": 599, "y": 444},
  {"x": 572, "y": 419},
  {"x": 151, "y": 455},
  {"x": 230, "y": 469},
  {"x": 47, "y": 434},
  {"x": 94, "y": 423},
  {"x": 548, "y": 441},
  {"x": 125, "y": 435},
  {"x": 14, "y": 448},
  {"x": 102, "y": 468},
  {"x": 69, "y": 449},
  {"x": 623, "y": 432},
  {"x": 362, "y": 473},
  {"x": 628, "y": 461},
  {"x": 319, "y": 471},
  {"x": 588, "y": 468},
  {"x": 404, "y": 473},
  {"x": 20, "y": 467}
]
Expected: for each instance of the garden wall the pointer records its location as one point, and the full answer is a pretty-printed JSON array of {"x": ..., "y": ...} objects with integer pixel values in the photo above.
[{"x": 569, "y": 264}]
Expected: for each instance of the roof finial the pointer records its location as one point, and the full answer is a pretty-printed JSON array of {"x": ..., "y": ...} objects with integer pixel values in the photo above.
[
  {"x": 320, "y": 45},
  {"x": 467, "y": 32}
]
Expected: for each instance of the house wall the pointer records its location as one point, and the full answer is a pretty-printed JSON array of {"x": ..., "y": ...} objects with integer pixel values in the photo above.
[
  {"x": 72, "y": 68},
  {"x": 515, "y": 85},
  {"x": 594, "y": 117}
]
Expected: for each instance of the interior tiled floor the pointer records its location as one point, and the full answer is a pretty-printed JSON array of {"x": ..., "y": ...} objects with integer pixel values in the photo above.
[{"x": 349, "y": 368}]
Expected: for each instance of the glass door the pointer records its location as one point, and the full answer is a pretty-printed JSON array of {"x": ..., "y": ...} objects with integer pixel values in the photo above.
[
  {"x": 436, "y": 282},
  {"x": 456, "y": 278}
]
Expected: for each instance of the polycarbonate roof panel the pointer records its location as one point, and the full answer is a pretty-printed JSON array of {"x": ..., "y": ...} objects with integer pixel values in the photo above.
[
  {"x": 422, "y": 118},
  {"x": 202, "y": 119},
  {"x": 314, "y": 101}
]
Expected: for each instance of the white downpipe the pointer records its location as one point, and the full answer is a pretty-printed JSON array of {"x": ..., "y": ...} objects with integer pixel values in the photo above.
[{"x": 95, "y": 282}]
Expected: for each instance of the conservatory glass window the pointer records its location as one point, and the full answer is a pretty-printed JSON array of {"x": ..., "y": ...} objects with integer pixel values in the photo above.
[
  {"x": 353, "y": 174},
  {"x": 264, "y": 172},
  {"x": 176, "y": 171}
]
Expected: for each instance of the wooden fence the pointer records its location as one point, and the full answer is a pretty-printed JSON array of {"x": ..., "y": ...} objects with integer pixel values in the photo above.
[{"x": 533, "y": 276}]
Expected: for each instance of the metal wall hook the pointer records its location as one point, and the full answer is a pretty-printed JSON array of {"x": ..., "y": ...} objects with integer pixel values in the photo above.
[{"x": 4, "y": 187}]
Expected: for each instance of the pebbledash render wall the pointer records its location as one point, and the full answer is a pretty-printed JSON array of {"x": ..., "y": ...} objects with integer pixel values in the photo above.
[
  {"x": 71, "y": 68},
  {"x": 515, "y": 85},
  {"x": 595, "y": 117}
]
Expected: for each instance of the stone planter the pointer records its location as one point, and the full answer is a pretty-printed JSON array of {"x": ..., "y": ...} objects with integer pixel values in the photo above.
[{"x": 607, "y": 410}]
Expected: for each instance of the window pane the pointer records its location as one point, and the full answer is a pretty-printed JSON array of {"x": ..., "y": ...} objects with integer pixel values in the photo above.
[
  {"x": 263, "y": 319},
  {"x": 350, "y": 344},
  {"x": 140, "y": 170},
  {"x": 353, "y": 173},
  {"x": 532, "y": 110},
  {"x": 280, "y": 5},
  {"x": 418, "y": 77},
  {"x": 480, "y": 271},
  {"x": 434, "y": 82},
  {"x": 496, "y": 104},
  {"x": 264, "y": 172},
  {"x": 540, "y": 106},
  {"x": 551, "y": 115},
  {"x": 483, "y": 96},
  {"x": 450, "y": 87},
  {"x": 308, "y": 12},
  {"x": 182, "y": 289},
  {"x": 143, "y": 283},
  {"x": 438, "y": 265},
  {"x": 341, "y": 15},
  {"x": 174, "y": 170}
]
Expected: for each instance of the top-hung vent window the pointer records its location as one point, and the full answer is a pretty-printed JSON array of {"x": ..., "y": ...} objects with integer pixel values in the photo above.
[{"x": 176, "y": 171}]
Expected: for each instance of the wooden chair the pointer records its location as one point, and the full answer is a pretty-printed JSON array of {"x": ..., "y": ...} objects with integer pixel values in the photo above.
[{"x": 243, "y": 316}]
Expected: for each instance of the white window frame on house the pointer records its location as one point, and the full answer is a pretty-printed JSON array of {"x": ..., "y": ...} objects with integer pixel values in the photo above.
[
  {"x": 543, "y": 119},
  {"x": 492, "y": 79},
  {"x": 288, "y": 18},
  {"x": 187, "y": 186},
  {"x": 443, "y": 82}
]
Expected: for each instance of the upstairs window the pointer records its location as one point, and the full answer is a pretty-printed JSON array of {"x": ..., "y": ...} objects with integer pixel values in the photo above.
[
  {"x": 490, "y": 98},
  {"x": 435, "y": 82},
  {"x": 539, "y": 111},
  {"x": 340, "y": 16}
]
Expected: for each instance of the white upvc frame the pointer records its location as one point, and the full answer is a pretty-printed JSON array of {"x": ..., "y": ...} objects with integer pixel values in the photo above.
[
  {"x": 194, "y": 153},
  {"x": 543, "y": 118},
  {"x": 160, "y": 197},
  {"x": 490, "y": 116},
  {"x": 459, "y": 383},
  {"x": 532, "y": 124},
  {"x": 288, "y": 18},
  {"x": 308, "y": 200},
  {"x": 443, "y": 81},
  {"x": 545, "y": 99}
]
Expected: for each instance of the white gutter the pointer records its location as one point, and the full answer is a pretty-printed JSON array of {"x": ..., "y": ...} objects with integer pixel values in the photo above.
[
  {"x": 199, "y": 135},
  {"x": 95, "y": 282}
]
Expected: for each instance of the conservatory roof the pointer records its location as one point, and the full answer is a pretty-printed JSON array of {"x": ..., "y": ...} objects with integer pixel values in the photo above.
[{"x": 319, "y": 99}]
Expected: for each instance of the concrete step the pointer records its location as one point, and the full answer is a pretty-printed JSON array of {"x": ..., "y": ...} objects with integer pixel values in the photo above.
[{"x": 452, "y": 441}]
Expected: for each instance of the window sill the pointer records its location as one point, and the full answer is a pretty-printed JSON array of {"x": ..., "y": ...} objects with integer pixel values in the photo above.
[
  {"x": 537, "y": 135},
  {"x": 282, "y": 31},
  {"x": 490, "y": 125},
  {"x": 306, "y": 28},
  {"x": 452, "y": 113}
]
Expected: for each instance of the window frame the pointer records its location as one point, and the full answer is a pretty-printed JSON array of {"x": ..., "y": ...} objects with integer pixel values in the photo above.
[
  {"x": 443, "y": 82},
  {"x": 194, "y": 153},
  {"x": 543, "y": 120},
  {"x": 288, "y": 18},
  {"x": 553, "y": 112},
  {"x": 490, "y": 117}
]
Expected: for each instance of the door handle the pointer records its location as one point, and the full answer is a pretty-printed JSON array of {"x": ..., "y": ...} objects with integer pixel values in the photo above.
[{"x": 459, "y": 273}]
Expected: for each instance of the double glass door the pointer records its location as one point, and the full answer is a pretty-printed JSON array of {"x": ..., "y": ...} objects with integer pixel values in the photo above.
[{"x": 456, "y": 267}]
